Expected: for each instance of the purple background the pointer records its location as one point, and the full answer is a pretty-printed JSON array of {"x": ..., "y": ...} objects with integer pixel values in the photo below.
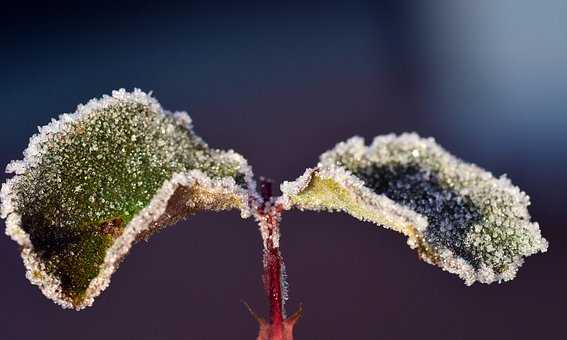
[{"x": 281, "y": 83}]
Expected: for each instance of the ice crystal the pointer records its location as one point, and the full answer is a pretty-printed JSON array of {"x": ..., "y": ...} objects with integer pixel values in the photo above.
[
  {"x": 455, "y": 214},
  {"x": 95, "y": 181}
]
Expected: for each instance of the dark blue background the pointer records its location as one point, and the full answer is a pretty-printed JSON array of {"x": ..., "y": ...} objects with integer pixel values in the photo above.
[{"x": 281, "y": 83}]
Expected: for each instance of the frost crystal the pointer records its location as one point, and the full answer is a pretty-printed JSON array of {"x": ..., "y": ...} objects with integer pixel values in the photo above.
[
  {"x": 455, "y": 214},
  {"x": 95, "y": 181}
]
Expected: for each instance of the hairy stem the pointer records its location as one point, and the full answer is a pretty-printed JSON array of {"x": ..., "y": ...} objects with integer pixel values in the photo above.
[
  {"x": 269, "y": 214},
  {"x": 272, "y": 275}
]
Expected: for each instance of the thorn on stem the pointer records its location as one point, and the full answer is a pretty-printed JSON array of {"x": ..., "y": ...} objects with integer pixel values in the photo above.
[
  {"x": 283, "y": 331},
  {"x": 254, "y": 315}
]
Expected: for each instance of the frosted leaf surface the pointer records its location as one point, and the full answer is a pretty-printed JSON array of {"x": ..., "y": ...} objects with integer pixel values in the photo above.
[
  {"x": 95, "y": 181},
  {"x": 455, "y": 214}
]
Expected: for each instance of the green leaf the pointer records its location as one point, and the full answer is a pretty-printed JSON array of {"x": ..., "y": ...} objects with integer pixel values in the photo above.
[
  {"x": 95, "y": 181},
  {"x": 455, "y": 214}
]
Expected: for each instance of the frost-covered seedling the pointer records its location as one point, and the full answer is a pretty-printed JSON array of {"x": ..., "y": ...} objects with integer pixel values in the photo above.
[{"x": 94, "y": 182}]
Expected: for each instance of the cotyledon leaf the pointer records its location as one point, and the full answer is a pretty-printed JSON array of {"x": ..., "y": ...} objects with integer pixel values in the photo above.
[
  {"x": 97, "y": 180},
  {"x": 455, "y": 214}
]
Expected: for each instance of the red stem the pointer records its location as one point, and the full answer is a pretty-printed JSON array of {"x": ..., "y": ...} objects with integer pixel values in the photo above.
[
  {"x": 272, "y": 276},
  {"x": 279, "y": 327},
  {"x": 273, "y": 284}
]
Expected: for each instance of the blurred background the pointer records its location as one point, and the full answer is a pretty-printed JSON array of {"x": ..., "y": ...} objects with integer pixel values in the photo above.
[{"x": 281, "y": 83}]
